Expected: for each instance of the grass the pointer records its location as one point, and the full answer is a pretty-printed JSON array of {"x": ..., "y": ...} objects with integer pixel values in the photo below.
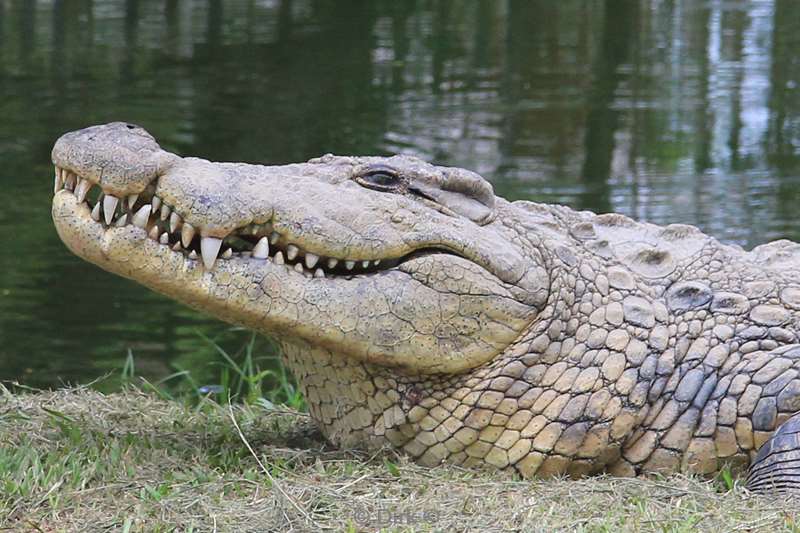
[
  {"x": 240, "y": 455},
  {"x": 78, "y": 460},
  {"x": 240, "y": 378}
]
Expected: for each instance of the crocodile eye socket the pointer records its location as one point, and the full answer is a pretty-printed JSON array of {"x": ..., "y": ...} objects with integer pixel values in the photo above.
[{"x": 381, "y": 180}]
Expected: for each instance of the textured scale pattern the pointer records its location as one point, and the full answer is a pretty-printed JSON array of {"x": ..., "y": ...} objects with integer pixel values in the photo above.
[{"x": 626, "y": 371}]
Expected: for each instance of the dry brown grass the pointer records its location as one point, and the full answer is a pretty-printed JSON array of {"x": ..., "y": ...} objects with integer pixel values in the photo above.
[{"x": 77, "y": 460}]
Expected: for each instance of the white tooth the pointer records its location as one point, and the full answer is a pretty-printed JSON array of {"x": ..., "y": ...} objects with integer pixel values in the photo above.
[
  {"x": 83, "y": 188},
  {"x": 109, "y": 206},
  {"x": 70, "y": 181},
  {"x": 156, "y": 203},
  {"x": 364, "y": 264},
  {"x": 96, "y": 212},
  {"x": 227, "y": 254},
  {"x": 332, "y": 262},
  {"x": 308, "y": 274},
  {"x": 261, "y": 251},
  {"x": 122, "y": 220},
  {"x": 165, "y": 211},
  {"x": 59, "y": 183},
  {"x": 141, "y": 216},
  {"x": 311, "y": 260},
  {"x": 291, "y": 251},
  {"x": 298, "y": 267},
  {"x": 349, "y": 264},
  {"x": 153, "y": 233},
  {"x": 174, "y": 222},
  {"x": 192, "y": 255},
  {"x": 177, "y": 246},
  {"x": 273, "y": 238},
  {"x": 209, "y": 248},
  {"x": 187, "y": 234},
  {"x": 164, "y": 239},
  {"x": 376, "y": 262},
  {"x": 318, "y": 273},
  {"x": 132, "y": 200},
  {"x": 278, "y": 258}
]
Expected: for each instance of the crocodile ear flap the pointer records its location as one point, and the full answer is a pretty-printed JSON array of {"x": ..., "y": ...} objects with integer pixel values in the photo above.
[{"x": 460, "y": 191}]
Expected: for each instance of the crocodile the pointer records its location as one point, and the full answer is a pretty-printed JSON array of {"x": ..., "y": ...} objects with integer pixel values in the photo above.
[{"x": 419, "y": 311}]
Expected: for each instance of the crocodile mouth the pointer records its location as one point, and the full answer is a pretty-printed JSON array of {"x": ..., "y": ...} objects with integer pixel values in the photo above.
[
  {"x": 305, "y": 252},
  {"x": 252, "y": 242}
]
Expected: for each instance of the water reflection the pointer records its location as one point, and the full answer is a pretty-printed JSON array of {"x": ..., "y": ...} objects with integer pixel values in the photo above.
[{"x": 669, "y": 111}]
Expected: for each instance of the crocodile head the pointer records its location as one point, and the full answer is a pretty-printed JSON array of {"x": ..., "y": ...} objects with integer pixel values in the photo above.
[{"x": 387, "y": 261}]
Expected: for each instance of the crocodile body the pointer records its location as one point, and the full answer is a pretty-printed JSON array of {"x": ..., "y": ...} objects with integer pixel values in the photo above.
[{"x": 418, "y": 310}]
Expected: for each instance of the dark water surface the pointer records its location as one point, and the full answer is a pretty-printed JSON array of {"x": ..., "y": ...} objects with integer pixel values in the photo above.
[{"x": 667, "y": 111}]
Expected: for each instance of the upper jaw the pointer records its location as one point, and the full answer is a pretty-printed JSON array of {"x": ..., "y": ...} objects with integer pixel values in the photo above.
[
  {"x": 262, "y": 240},
  {"x": 311, "y": 215}
]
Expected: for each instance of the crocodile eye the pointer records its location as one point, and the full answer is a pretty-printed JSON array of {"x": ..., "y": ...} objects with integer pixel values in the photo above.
[{"x": 383, "y": 179}]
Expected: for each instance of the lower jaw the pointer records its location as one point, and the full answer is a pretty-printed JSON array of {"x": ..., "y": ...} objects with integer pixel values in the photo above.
[
  {"x": 260, "y": 295},
  {"x": 232, "y": 286},
  {"x": 330, "y": 313}
]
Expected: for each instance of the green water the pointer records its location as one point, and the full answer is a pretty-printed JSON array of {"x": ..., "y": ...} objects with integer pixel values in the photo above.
[{"x": 667, "y": 111}]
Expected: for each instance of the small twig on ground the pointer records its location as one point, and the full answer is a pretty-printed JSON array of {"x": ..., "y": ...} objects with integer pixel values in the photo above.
[{"x": 264, "y": 468}]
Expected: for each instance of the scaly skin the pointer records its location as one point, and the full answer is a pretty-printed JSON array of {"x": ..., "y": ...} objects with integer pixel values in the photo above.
[{"x": 519, "y": 335}]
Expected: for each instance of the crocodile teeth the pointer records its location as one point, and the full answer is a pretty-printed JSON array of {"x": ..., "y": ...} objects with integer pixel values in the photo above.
[
  {"x": 187, "y": 233},
  {"x": 122, "y": 220},
  {"x": 174, "y": 221},
  {"x": 177, "y": 246},
  {"x": 96, "y": 212},
  {"x": 156, "y": 203},
  {"x": 273, "y": 238},
  {"x": 164, "y": 239},
  {"x": 364, "y": 264},
  {"x": 153, "y": 233},
  {"x": 376, "y": 262},
  {"x": 349, "y": 264},
  {"x": 192, "y": 255},
  {"x": 298, "y": 268},
  {"x": 278, "y": 258},
  {"x": 109, "y": 206},
  {"x": 70, "y": 181},
  {"x": 165, "y": 211},
  {"x": 209, "y": 248},
  {"x": 319, "y": 273},
  {"x": 141, "y": 216},
  {"x": 227, "y": 254},
  {"x": 291, "y": 252},
  {"x": 261, "y": 251},
  {"x": 332, "y": 262},
  {"x": 83, "y": 188},
  {"x": 59, "y": 183},
  {"x": 132, "y": 200},
  {"x": 311, "y": 260}
]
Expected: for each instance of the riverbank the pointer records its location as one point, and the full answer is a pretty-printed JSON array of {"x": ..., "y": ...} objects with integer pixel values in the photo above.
[{"x": 77, "y": 460}]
